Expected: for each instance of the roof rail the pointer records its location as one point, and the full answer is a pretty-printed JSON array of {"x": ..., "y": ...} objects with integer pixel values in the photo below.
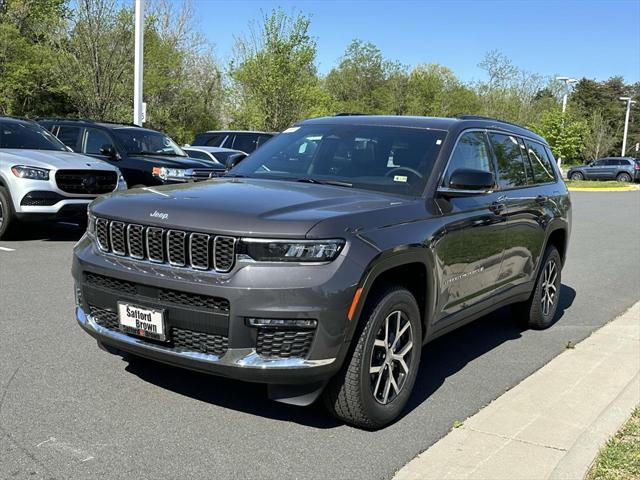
[
  {"x": 348, "y": 114},
  {"x": 72, "y": 119},
  {"x": 480, "y": 117}
]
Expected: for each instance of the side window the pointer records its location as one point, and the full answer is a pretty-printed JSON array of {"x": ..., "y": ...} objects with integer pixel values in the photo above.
[
  {"x": 511, "y": 171},
  {"x": 262, "y": 139},
  {"x": 542, "y": 170},
  {"x": 245, "y": 142},
  {"x": 612, "y": 163},
  {"x": 214, "y": 140},
  {"x": 198, "y": 154},
  {"x": 471, "y": 151},
  {"x": 69, "y": 136},
  {"x": 598, "y": 163},
  {"x": 95, "y": 140}
]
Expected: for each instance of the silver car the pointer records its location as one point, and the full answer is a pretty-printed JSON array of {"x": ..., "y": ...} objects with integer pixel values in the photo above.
[{"x": 41, "y": 179}]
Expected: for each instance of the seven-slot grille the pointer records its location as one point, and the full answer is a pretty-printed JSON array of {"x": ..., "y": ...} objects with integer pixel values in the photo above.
[{"x": 176, "y": 247}]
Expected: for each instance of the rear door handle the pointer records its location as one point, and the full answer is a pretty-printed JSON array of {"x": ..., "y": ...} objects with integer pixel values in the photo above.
[{"x": 497, "y": 207}]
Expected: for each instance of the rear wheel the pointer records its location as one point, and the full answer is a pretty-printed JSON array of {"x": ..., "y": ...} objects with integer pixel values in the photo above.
[
  {"x": 623, "y": 177},
  {"x": 576, "y": 176},
  {"x": 539, "y": 311},
  {"x": 7, "y": 216},
  {"x": 376, "y": 381}
]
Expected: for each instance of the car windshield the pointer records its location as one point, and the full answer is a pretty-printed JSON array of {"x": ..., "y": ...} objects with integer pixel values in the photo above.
[
  {"x": 145, "y": 142},
  {"x": 390, "y": 159},
  {"x": 28, "y": 136}
]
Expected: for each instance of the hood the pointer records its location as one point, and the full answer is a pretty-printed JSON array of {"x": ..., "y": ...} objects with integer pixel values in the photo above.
[
  {"x": 255, "y": 207},
  {"x": 53, "y": 160},
  {"x": 174, "y": 161}
]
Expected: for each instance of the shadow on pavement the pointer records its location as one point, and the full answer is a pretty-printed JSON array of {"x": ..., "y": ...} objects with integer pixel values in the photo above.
[
  {"x": 47, "y": 231},
  {"x": 440, "y": 359}
]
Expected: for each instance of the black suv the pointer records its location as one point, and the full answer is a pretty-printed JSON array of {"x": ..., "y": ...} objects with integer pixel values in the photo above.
[
  {"x": 325, "y": 260},
  {"x": 145, "y": 157},
  {"x": 243, "y": 140}
]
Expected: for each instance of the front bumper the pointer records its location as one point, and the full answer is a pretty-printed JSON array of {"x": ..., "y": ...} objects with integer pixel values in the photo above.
[{"x": 320, "y": 292}]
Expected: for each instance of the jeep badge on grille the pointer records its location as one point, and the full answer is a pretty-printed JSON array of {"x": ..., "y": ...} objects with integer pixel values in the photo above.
[{"x": 160, "y": 215}]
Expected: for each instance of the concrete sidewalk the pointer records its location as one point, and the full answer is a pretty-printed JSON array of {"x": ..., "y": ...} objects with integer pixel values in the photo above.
[{"x": 552, "y": 424}]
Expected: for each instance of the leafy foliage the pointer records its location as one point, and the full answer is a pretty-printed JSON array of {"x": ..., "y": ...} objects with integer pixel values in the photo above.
[{"x": 566, "y": 135}]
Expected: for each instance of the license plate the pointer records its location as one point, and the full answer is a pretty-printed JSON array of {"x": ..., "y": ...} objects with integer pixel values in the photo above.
[{"x": 141, "y": 321}]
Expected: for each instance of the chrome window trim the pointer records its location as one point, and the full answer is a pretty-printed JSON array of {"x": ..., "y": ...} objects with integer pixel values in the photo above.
[
  {"x": 208, "y": 239},
  {"x": 129, "y": 240},
  {"x": 122, "y": 253},
  {"x": 184, "y": 248}
]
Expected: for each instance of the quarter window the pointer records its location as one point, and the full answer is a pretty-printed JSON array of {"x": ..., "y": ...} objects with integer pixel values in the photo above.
[
  {"x": 542, "y": 170},
  {"x": 471, "y": 151},
  {"x": 511, "y": 171}
]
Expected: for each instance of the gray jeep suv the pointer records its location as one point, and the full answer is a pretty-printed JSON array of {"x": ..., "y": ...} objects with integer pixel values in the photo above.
[{"x": 322, "y": 263}]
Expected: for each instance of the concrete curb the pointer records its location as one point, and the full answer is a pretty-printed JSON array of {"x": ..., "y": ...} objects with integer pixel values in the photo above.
[
  {"x": 611, "y": 189},
  {"x": 553, "y": 423}
]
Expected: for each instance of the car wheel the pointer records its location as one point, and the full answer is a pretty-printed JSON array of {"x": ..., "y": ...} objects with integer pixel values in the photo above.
[
  {"x": 576, "y": 176},
  {"x": 7, "y": 216},
  {"x": 376, "y": 381},
  {"x": 539, "y": 311},
  {"x": 623, "y": 177}
]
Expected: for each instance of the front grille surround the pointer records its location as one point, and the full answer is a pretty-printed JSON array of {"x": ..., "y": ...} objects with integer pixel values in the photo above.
[
  {"x": 178, "y": 248},
  {"x": 93, "y": 182}
]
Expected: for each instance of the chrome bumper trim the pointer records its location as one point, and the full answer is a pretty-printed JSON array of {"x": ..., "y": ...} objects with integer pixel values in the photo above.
[{"x": 238, "y": 357}]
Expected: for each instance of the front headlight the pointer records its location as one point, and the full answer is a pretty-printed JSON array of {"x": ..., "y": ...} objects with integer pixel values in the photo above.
[
  {"x": 32, "y": 173},
  {"x": 165, "y": 173},
  {"x": 264, "y": 250}
]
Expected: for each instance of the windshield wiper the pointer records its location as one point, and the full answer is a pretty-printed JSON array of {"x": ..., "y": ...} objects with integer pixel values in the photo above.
[{"x": 335, "y": 183}]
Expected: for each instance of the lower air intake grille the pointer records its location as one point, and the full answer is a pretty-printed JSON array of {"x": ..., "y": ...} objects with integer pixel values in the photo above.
[
  {"x": 180, "y": 338},
  {"x": 283, "y": 343}
]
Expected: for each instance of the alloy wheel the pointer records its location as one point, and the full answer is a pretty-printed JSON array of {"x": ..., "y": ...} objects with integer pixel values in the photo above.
[
  {"x": 1, "y": 215},
  {"x": 625, "y": 177},
  {"x": 390, "y": 357},
  {"x": 549, "y": 287},
  {"x": 576, "y": 176}
]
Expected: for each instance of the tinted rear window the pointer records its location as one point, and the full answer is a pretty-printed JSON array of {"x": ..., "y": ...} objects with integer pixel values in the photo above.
[
  {"x": 542, "y": 170},
  {"x": 508, "y": 153}
]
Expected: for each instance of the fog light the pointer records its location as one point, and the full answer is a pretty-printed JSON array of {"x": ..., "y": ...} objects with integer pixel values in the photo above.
[{"x": 282, "y": 322}]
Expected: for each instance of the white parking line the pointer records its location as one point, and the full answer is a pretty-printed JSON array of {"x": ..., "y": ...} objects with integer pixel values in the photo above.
[{"x": 5, "y": 249}]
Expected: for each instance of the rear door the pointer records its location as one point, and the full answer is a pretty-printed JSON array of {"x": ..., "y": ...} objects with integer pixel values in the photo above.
[
  {"x": 469, "y": 253},
  {"x": 610, "y": 169}
]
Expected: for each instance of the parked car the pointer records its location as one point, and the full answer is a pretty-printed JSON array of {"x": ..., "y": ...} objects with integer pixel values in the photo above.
[
  {"x": 42, "y": 179},
  {"x": 215, "y": 154},
  {"x": 145, "y": 157},
  {"x": 623, "y": 169},
  {"x": 322, "y": 263},
  {"x": 242, "y": 140}
]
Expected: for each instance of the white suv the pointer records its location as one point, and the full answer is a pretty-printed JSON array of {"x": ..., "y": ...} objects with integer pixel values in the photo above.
[{"x": 40, "y": 178}]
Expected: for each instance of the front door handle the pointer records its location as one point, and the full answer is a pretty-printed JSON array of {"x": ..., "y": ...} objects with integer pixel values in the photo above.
[{"x": 497, "y": 207}]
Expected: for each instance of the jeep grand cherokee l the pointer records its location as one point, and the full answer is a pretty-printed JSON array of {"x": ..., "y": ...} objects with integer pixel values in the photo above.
[
  {"x": 41, "y": 179},
  {"x": 323, "y": 262},
  {"x": 145, "y": 157}
]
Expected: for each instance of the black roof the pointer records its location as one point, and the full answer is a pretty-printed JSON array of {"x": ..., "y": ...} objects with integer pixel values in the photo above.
[{"x": 435, "y": 123}]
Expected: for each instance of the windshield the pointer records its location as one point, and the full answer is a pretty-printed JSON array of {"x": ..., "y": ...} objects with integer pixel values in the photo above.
[
  {"x": 28, "y": 135},
  {"x": 390, "y": 159},
  {"x": 138, "y": 141}
]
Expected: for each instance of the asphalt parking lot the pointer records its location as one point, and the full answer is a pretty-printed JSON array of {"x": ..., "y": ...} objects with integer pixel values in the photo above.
[{"x": 70, "y": 411}]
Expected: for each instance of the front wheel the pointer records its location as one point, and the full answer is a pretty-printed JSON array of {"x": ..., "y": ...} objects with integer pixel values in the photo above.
[
  {"x": 7, "y": 217},
  {"x": 375, "y": 383}
]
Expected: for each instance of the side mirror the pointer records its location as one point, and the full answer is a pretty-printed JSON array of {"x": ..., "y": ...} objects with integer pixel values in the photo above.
[
  {"x": 467, "y": 181},
  {"x": 109, "y": 151},
  {"x": 233, "y": 160}
]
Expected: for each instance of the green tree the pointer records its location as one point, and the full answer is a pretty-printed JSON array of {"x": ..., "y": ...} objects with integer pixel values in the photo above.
[
  {"x": 599, "y": 139},
  {"x": 274, "y": 74},
  {"x": 566, "y": 135}
]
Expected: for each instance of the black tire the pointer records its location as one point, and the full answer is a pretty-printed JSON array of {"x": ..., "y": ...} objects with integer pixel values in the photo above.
[
  {"x": 137, "y": 186},
  {"x": 534, "y": 312},
  {"x": 7, "y": 215},
  {"x": 576, "y": 176},
  {"x": 350, "y": 396},
  {"x": 624, "y": 177}
]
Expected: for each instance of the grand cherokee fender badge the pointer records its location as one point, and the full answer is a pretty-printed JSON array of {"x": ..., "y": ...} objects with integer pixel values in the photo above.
[{"x": 160, "y": 215}]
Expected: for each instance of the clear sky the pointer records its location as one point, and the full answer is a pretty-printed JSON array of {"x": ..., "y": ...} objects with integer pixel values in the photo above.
[{"x": 590, "y": 38}]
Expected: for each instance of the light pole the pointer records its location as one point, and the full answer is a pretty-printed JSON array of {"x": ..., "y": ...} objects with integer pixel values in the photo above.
[
  {"x": 626, "y": 122},
  {"x": 568, "y": 81},
  {"x": 139, "y": 64}
]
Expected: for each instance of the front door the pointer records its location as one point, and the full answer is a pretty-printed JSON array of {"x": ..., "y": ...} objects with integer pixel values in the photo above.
[{"x": 469, "y": 252}]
